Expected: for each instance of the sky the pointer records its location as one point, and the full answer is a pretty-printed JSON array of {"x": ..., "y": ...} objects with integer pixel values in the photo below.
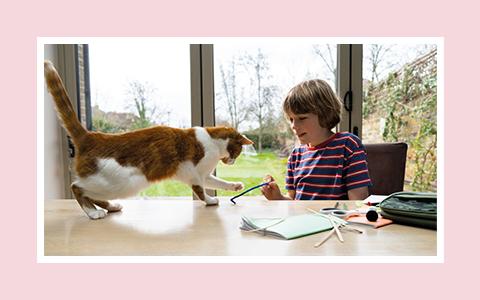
[{"x": 165, "y": 66}]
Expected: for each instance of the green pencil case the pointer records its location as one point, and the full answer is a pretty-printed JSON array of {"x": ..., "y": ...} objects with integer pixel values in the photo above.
[{"x": 411, "y": 208}]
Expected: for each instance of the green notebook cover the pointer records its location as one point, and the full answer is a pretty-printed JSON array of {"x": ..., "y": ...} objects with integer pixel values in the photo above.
[{"x": 288, "y": 228}]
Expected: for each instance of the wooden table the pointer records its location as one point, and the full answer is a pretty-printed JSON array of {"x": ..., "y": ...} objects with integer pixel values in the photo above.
[{"x": 183, "y": 227}]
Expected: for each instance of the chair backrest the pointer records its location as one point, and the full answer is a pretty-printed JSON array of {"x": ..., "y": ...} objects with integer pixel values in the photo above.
[{"x": 386, "y": 166}]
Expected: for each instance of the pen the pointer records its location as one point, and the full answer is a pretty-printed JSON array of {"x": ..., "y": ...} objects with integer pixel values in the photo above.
[{"x": 244, "y": 192}]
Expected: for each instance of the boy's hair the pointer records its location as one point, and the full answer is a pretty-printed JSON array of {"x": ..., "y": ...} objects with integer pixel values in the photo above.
[{"x": 317, "y": 97}]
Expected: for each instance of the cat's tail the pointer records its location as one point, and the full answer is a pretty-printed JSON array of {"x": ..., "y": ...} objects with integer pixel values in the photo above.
[{"x": 64, "y": 107}]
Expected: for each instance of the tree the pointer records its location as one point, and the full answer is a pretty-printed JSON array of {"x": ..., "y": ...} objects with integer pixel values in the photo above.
[
  {"x": 375, "y": 57},
  {"x": 234, "y": 101},
  {"x": 140, "y": 97},
  {"x": 264, "y": 92},
  {"x": 327, "y": 53},
  {"x": 104, "y": 125}
]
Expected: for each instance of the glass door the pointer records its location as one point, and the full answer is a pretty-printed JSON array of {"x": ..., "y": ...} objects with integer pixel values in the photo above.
[{"x": 400, "y": 105}]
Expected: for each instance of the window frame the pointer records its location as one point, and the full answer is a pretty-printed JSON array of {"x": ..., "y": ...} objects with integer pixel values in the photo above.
[
  {"x": 64, "y": 56},
  {"x": 349, "y": 79}
]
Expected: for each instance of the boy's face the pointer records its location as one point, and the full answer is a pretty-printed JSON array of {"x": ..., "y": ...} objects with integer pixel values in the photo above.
[{"x": 306, "y": 127}]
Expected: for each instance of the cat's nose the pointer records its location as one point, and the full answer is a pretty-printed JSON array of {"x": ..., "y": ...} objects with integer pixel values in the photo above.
[{"x": 230, "y": 161}]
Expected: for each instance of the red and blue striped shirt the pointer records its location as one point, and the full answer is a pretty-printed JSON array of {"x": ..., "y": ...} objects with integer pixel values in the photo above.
[{"x": 327, "y": 171}]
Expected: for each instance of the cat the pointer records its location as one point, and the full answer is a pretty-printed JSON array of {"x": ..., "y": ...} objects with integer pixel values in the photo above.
[{"x": 115, "y": 166}]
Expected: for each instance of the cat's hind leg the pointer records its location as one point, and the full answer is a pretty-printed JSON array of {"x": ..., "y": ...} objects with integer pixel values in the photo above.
[
  {"x": 109, "y": 206},
  {"x": 86, "y": 204}
]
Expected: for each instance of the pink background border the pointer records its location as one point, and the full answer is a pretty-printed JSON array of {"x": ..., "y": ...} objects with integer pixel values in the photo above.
[{"x": 21, "y": 23}]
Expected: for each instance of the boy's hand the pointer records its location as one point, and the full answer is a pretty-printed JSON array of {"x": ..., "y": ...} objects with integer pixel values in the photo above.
[{"x": 271, "y": 191}]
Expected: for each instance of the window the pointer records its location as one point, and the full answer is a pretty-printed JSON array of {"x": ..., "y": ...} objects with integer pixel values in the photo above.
[
  {"x": 400, "y": 104},
  {"x": 251, "y": 81},
  {"x": 138, "y": 84},
  {"x": 242, "y": 83}
]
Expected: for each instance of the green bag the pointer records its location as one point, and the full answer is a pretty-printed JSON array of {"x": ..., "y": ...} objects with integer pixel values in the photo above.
[{"x": 411, "y": 208}]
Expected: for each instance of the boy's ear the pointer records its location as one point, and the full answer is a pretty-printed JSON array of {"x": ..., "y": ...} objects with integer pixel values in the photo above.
[{"x": 246, "y": 141}]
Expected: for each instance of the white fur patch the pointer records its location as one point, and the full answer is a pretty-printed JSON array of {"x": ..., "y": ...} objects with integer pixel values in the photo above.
[
  {"x": 215, "y": 149},
  {"x": 112, "y": 181},
  {"x": 187, "y": 173}
]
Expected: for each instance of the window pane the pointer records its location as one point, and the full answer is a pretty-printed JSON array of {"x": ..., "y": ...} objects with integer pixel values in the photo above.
[
  {"x": 137, "y": 84},
  {"x": 251, "y": 81},
  {"x": 400, "y": 103}
]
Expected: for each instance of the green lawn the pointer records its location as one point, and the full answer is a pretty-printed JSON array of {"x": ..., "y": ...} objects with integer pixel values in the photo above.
[{"x": 247, "y": 169}]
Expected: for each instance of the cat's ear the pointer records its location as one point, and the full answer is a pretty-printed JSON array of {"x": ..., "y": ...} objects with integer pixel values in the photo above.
[{"x": 246, "y": 141}]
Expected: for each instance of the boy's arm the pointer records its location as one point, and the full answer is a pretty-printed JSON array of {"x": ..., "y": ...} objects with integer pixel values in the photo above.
[
  {"x": 360, "y": 193},
  {"x": 290, "y": 194},
  {"x": 357, "y": 178}
]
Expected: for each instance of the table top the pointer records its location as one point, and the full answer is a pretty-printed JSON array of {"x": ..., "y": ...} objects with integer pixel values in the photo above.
[{"x": 184, "y": 227}]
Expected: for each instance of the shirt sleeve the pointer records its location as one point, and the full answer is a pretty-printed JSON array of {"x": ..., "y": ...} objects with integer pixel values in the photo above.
[
  {"x": 356, "y": 167},
  {"x": 289, "y": 179}
]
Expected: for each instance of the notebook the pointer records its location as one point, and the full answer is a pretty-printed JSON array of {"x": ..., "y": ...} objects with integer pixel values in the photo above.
[
  {"x": 374, "y": 199},
  {"x": 289, "y": 227}
]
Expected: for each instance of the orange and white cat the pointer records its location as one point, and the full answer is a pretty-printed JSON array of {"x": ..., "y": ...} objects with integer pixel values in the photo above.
[{"x": 113, "y": 166}]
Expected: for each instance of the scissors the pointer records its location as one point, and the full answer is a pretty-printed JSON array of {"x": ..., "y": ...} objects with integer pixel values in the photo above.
[
  {"x": 339, "y": 213},
  {"x": 250, "y": 189}
]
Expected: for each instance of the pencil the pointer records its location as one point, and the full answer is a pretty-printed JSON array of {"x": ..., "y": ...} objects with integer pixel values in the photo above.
[
  {"x": 335, "y": 227},
  {"x": 324, "y": 239}
]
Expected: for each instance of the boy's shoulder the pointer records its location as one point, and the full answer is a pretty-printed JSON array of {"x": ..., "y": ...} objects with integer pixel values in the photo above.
[
  {"x": 340, "y": 138},
  {"x": 299, "y": 148},
  {"x": 347, "y": 138}
]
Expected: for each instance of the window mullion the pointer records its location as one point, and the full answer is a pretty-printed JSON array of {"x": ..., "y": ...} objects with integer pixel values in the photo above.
[{"x": 349, "y": 79}]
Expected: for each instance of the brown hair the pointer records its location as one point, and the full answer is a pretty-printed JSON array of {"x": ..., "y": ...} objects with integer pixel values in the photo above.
[{"x": 314, "y": 96}]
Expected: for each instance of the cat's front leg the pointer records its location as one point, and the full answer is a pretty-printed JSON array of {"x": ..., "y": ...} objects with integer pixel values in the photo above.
[
  {"x": 217, "y": 183},
  {"x": 235, "y": 186},
  {"x": 202, "y": 195}
]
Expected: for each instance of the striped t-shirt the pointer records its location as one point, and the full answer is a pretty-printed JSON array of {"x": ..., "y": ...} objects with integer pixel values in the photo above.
[{"x": 327, "y": 171}]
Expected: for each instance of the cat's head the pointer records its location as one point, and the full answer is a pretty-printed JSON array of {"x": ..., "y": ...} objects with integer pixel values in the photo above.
[{"x": 235, "y": 142}]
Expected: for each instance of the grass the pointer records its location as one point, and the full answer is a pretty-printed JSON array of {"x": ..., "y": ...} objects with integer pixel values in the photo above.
[{"x": 249, "y": 170}]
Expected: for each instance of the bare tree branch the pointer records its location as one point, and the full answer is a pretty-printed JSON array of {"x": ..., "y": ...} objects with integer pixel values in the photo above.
[
  {"x": 140, "y": 97},
  {"x": 328, "y": 54},
  {"x": 264, "y": 92},
  {"x": 234, "y": 102}
]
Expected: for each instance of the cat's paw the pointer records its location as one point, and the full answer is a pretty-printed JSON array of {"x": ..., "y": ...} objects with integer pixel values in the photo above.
[
  {"x": 114, "y": 207},
  {"x": 97, "y": 214},
  {"x": 211, "y": 201},
  {"x": 236, "y": 186}
]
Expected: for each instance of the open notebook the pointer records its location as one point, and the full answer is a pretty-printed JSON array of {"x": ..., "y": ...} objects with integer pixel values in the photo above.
[{"x": 289, "y": 227}]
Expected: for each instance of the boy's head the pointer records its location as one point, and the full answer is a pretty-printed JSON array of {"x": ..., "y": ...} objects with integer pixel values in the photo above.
[{"x": 316, "y": 97}]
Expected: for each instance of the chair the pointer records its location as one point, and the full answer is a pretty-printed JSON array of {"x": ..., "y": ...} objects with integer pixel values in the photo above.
[{"x": 386, "y": 166}]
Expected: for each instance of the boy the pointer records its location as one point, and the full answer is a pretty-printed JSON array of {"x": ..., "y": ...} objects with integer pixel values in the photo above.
[{"x": 326, "y": 166}]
